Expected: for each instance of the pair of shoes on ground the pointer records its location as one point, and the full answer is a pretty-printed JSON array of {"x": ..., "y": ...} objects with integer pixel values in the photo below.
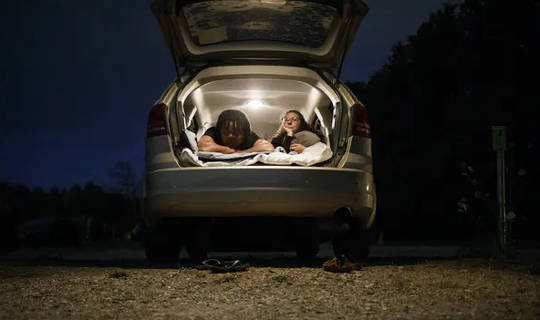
[
  {"x": 217, "y": 266},
  {"x": 341, "y": 263}
]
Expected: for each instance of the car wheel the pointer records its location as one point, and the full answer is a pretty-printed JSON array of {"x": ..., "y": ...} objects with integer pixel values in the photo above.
[
  {"x": 161, "y": 246},
  {"x": 198, "y": 242},
  {"x": 196, "y": 252},
  {"x": 307, "y": 250},
  {"x": 355, "y": 243}
]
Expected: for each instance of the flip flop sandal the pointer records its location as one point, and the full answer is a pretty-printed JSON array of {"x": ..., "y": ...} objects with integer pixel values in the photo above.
[
  {"x": 226, "y": 266},
  {"x": 341, "y": 264}
]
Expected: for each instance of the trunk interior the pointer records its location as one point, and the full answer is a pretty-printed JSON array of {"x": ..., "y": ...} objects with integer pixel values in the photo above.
[{"x": 264, "y": 94}]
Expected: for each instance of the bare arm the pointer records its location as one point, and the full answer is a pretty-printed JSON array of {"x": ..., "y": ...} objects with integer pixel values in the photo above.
[
  {"x": 297, "y": 147},
  {"x": 260, "y": 145},
  {"x": 208, "y": 144}
]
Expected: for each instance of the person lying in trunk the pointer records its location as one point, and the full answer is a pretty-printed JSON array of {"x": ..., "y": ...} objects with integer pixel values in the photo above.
[
  {"x": 295, "y": 134},
  {"x": 231, "y": 134}
]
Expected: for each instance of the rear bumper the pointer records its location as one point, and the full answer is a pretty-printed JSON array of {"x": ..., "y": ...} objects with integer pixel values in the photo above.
[{"x": 258, "y": 191}]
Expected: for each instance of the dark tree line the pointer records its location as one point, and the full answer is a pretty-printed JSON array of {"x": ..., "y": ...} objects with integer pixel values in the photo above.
[
  {"x": 68, "y": 216},
  {"x": 471, "y": 66}
]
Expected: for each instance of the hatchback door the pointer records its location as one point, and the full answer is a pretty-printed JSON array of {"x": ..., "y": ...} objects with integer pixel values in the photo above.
[{"x": 300, "y": 32}]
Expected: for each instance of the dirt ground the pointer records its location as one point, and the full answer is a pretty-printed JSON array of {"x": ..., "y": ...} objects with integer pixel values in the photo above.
[{"x": 383, "y": 289}]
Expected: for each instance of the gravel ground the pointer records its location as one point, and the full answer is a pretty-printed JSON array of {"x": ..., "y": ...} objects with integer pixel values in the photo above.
[{"x": 384, "y": 289}]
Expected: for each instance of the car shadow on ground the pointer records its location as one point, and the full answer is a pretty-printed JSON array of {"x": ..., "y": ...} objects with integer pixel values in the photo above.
[
  {"x": 131, "y": 256},
  {"x": 252, "y": 261}
]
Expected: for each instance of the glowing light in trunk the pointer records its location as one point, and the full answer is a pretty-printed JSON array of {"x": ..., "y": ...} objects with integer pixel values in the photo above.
[{"x": 255, "y": 104}]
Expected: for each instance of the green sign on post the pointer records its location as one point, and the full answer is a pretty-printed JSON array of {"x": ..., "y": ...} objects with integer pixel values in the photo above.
[{"x": 498, "y": 133}]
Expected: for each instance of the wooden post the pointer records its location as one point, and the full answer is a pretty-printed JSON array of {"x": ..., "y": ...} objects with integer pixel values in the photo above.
[{"x": 499, "y": 145}]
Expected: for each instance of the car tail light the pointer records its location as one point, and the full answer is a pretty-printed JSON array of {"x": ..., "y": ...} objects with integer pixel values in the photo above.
[
  {"x": 157, "y": 121},
  {"x": 361, "y": 127}
]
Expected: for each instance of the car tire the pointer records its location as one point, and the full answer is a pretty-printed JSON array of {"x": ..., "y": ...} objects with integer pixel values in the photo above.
[
  {"x": 161, "y": 246},
  {"x": 198, "y": 243},
  {"x": 355, "y": 243},
  {"x": 196, "y": 252},
  {"x": 307, "y": 250}
]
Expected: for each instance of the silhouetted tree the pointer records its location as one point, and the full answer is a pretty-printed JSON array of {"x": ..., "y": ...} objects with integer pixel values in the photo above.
[
  {"x": 124, "y": 178},
  {"x": 470, "y": 66}
]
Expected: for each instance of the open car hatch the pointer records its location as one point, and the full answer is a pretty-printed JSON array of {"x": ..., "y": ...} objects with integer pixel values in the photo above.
[{"x": 315, "y": 33}]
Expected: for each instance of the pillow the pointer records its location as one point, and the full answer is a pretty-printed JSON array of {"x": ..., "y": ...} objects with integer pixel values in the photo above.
[{"x": 306, "y": 138}]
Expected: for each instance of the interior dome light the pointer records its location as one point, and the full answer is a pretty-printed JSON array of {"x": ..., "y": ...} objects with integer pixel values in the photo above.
[{"x": 255, "y": 104}]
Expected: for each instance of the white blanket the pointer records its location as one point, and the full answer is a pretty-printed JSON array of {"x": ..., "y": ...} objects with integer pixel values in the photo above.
[{"x": 316, "y": 153}]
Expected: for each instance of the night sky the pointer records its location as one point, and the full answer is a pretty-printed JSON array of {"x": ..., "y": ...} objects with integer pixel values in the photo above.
[{"x": 79, "y": 77}]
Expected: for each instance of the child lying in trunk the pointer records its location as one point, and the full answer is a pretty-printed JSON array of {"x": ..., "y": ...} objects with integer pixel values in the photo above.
[
  {"x": 232, "y": 134},
  {"x": 295, "y": 134}
]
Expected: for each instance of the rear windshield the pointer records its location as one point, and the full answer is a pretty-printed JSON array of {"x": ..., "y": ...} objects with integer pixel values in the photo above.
[{"x": 298, "y": 22}]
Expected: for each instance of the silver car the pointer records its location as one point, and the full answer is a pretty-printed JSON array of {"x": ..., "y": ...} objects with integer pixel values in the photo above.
[{"x": 262, "y": 57}]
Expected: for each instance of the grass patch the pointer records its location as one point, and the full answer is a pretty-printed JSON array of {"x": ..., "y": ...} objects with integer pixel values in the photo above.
[
  {"x": 118, "y": 275},
  {"x": 283, "y": 279},
  {"x": 15, "y": 274},
  {"x": 226, "y": 279},
  {"x": 449, "y": 284},
  {"x": 401, "y": 284}
]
